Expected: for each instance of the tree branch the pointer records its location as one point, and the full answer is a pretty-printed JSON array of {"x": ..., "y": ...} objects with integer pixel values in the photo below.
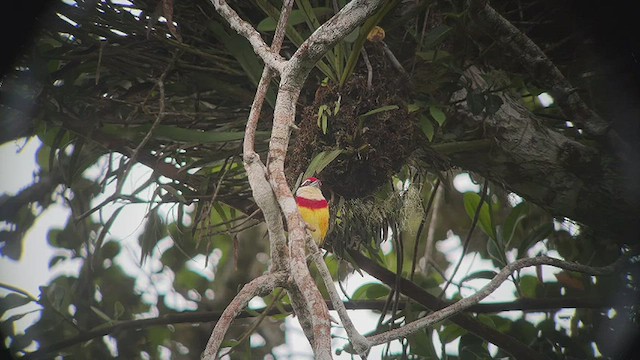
[
  {"x": 256, "y": 171},
  {"x": 539, "y": 65},
  {"x": 270, "y": 57},
  {"x": 488, "y": 289},
  {"x": 506, "y": 342},
  {"x": 564, "y": 176},
  {"x": 359, "y": 342},
  {"x": 257, "y": 287},
  {"x": 304, "y": 293}
]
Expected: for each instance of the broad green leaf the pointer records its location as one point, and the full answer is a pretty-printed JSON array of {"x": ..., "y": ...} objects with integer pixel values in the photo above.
[
  {"x": 450, "y": 332},
  {"x": 421, "y": 345},
  {"x": 517, "y": 214},
  {"x": 529, "y": 286},
  {"x": 437, "y": 114},
  {"x": 12, "y": 300},
  {"x": 493, "y": 104},
  {"x": 221, "y": 211},
  {"x": 472, "y": 347},
  {"x": 485, "y": 220},
  {"x": 53, "y": 136},
  {"x": 487, "y": 320},
  {"x": 370, "y": 291},
  {"x": 475, "y": 102},
  {"x": 427, "y": 127}
]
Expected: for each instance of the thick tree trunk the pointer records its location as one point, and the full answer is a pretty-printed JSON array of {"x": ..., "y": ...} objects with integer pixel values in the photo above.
[{"x": 579, "y": 180}]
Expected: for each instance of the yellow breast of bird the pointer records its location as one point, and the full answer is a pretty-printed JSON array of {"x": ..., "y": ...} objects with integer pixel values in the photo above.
[{"x": 315, "y": 212}]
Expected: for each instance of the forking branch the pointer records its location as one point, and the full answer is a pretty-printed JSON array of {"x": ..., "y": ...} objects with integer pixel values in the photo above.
[{"x": 307, "y": 300}]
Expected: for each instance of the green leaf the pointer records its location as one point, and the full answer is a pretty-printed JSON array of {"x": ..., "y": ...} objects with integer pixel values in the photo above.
[
  {"x": 475, "y": 102},
  {"x": 53, "y": 136},
  {"x": 437, "y": 115},
  {"x": 472, "y": 348},
  {"x": 413, "y": 107},
  {"x": 427, "y": 127},
  {"x": 101, "y": 314},
  {"x": 433, "y": 55},
  {"x": 517, "y": 214},
  {"x": 450, "y": 332},
  {"x": 336, "y": 108},
  {"x": 379, "y": 110},
  {"x": 309, "y": 14},
  {"x": 421, "y": 345},
  {"x": 495, "y": 252},
  {"x": 56, "y": 259},
  {"x": 230, "y": 343},
  {"x": 325, "y": 124},
  {"x": 12, "y": 300},
  {"x": 362, "y": 37},
  {"x": 370, "y": 291},
  {"x": 295, "y": 37},
  {"x": 485, "y": 220},
  {"x": 539, "y": 233},
  {"x": 187, "y": 279},
  {"x": 240, "y": 49},
  {"x": 118, "y": 310},
  {"x": 321, "y": 161},
  {"x": 295, "y": 18},
  {"x": 173, "y": 133},
  {"x": 436, "y": 36},
  {"x": 529, "y": 286},
  {"x": 493, "y": 104}
]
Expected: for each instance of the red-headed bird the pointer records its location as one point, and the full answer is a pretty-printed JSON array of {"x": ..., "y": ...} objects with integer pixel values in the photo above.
[{"x": 314, "y": 209}]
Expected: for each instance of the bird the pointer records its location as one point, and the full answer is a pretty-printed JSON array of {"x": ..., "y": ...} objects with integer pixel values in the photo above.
[{"x": 314, "y": 209}]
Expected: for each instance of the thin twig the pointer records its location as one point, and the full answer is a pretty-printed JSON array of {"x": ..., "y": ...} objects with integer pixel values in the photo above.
[
  {"x": 467, "y": 241},
  {"x": 539, "y": 65},
  {"x": 367, "y": 63},
  {"x": 489, "y": 288},
  {"x": 256, "y": 287},
  {"x": 394, "y": 60},
  {"x": 19, "y": 291},
  {"x": 431, "y": 231},
  {"x": 136, "y": 152},
  {"x": 359, "y": 342}
]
